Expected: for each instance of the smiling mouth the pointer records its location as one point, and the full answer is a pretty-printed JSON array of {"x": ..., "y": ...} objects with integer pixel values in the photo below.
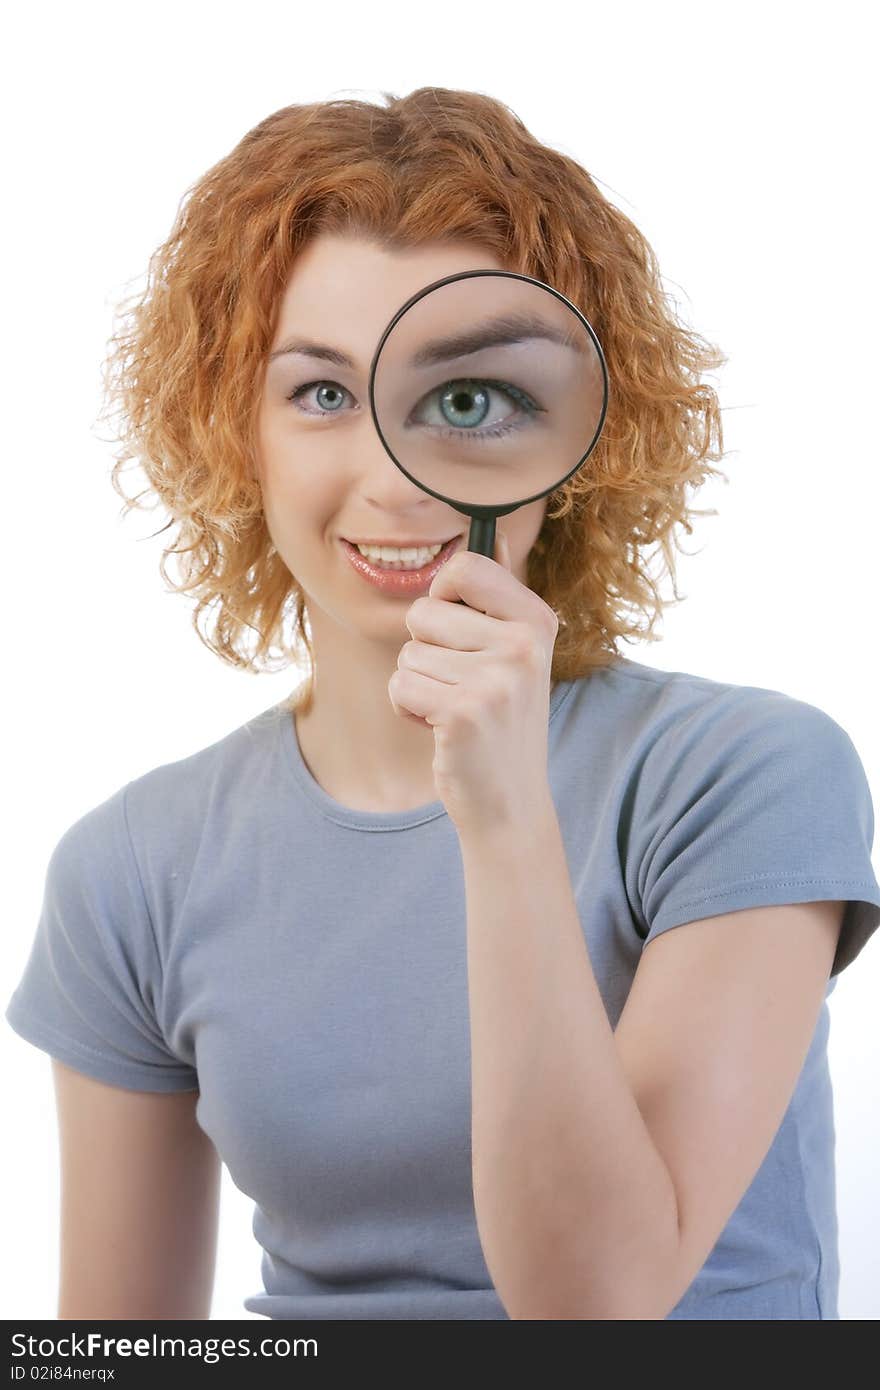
[{"x": 371, "y": 565}]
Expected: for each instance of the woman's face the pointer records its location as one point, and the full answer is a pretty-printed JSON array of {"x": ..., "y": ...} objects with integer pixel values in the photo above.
[{"x": 324, "y": 473}]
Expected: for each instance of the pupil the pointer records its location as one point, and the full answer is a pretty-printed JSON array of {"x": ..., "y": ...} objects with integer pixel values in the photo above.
[{"x": 466, "y": 401}]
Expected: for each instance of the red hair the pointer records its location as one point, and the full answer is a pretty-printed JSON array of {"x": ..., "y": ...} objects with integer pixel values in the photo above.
[{"x": 186, "y": 370}]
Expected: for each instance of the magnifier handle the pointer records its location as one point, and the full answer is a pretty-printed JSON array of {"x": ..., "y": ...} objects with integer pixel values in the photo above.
[{"x": 481, "y": 538}]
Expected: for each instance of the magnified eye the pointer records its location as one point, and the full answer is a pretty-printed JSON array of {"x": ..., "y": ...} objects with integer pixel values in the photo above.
[{"x": 464, "y": 403}]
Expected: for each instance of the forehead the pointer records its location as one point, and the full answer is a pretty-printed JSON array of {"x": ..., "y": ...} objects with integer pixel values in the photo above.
[{"x": 350, "y": 287}]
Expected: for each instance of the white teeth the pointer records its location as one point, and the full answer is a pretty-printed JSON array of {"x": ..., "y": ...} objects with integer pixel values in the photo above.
[{"x": 416, "y": 557}]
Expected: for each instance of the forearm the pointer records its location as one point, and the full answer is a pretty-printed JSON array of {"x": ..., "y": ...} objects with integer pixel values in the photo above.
[{"x": 575, "y": 1207}]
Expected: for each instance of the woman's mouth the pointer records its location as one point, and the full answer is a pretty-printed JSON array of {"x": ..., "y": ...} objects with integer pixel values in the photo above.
[{"x": 398, "y": 577}]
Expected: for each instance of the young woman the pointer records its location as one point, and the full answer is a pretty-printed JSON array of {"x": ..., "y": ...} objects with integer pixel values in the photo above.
[{"x": 383, "y": 950}]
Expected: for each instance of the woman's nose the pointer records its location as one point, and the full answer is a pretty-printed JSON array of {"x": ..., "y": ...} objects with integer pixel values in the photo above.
[{"x": 382, "y": 481}]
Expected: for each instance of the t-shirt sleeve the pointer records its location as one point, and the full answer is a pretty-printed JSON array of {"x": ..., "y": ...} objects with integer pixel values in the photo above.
[
  {"x": 753, "y": 800},
  {"x": 92, "y": 983}
]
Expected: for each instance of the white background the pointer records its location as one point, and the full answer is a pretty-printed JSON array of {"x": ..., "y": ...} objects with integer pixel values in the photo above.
[{"x": 739, "y": 138}]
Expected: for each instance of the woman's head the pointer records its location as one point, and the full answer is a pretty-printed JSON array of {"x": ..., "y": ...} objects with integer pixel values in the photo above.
[
  {"x": 272, "y": 238},
  {"x": 326, "y": 480}
]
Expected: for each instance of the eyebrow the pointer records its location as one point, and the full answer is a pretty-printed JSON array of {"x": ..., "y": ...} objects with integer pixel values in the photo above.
[
  {"x": 496, "y": 332},
  {"x": 305, "y": 348}
]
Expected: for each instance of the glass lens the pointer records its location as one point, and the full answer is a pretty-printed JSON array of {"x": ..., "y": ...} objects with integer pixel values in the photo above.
[{"x": 489, "y": 390}]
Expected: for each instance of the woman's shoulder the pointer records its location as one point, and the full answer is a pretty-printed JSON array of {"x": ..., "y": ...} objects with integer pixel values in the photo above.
[
  {"x": 171, "y": 801},
  {"x": 651, "y": 698}
]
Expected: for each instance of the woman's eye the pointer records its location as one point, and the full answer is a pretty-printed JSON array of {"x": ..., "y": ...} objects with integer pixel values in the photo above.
[
  {"x": 454, "y": 409},
  {"x": 329, "y": 396}
]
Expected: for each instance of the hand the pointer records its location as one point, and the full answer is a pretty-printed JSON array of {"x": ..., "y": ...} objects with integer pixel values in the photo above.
[{"x": 478, "y": 673}]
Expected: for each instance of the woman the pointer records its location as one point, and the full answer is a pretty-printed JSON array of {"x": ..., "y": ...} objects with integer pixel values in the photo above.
[{"x": 383, "y": 949}]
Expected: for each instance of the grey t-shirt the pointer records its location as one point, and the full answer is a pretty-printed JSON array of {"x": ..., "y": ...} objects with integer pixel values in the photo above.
[{"x": 222, "y": 924}]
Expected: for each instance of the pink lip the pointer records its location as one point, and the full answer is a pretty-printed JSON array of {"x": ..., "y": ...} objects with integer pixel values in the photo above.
[
  {"x": 399, "y": 583},
  {"x": 401, "y": 545}
]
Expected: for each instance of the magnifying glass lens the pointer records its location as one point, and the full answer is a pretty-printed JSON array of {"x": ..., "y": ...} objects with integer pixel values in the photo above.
[{"x": 488, "y": 390}]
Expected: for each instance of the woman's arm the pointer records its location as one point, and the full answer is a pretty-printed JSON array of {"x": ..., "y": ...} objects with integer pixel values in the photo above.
[
  {"x": 140, "y": 1193},
  {"x": 603, "y": 1168}
]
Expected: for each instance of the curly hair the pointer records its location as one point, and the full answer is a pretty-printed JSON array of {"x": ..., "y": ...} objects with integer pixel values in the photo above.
[{"x": 186, "y": 370}]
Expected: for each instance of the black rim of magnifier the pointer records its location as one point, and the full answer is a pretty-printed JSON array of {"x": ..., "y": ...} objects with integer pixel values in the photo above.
[{"x": 477, "y": 513}]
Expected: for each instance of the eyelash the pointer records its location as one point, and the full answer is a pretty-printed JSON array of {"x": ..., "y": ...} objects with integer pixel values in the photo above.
[{"x": 495, "y": 432}]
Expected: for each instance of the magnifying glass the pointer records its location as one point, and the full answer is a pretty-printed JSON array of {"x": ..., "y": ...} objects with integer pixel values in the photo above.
[{"x": 488, "y": 389}]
